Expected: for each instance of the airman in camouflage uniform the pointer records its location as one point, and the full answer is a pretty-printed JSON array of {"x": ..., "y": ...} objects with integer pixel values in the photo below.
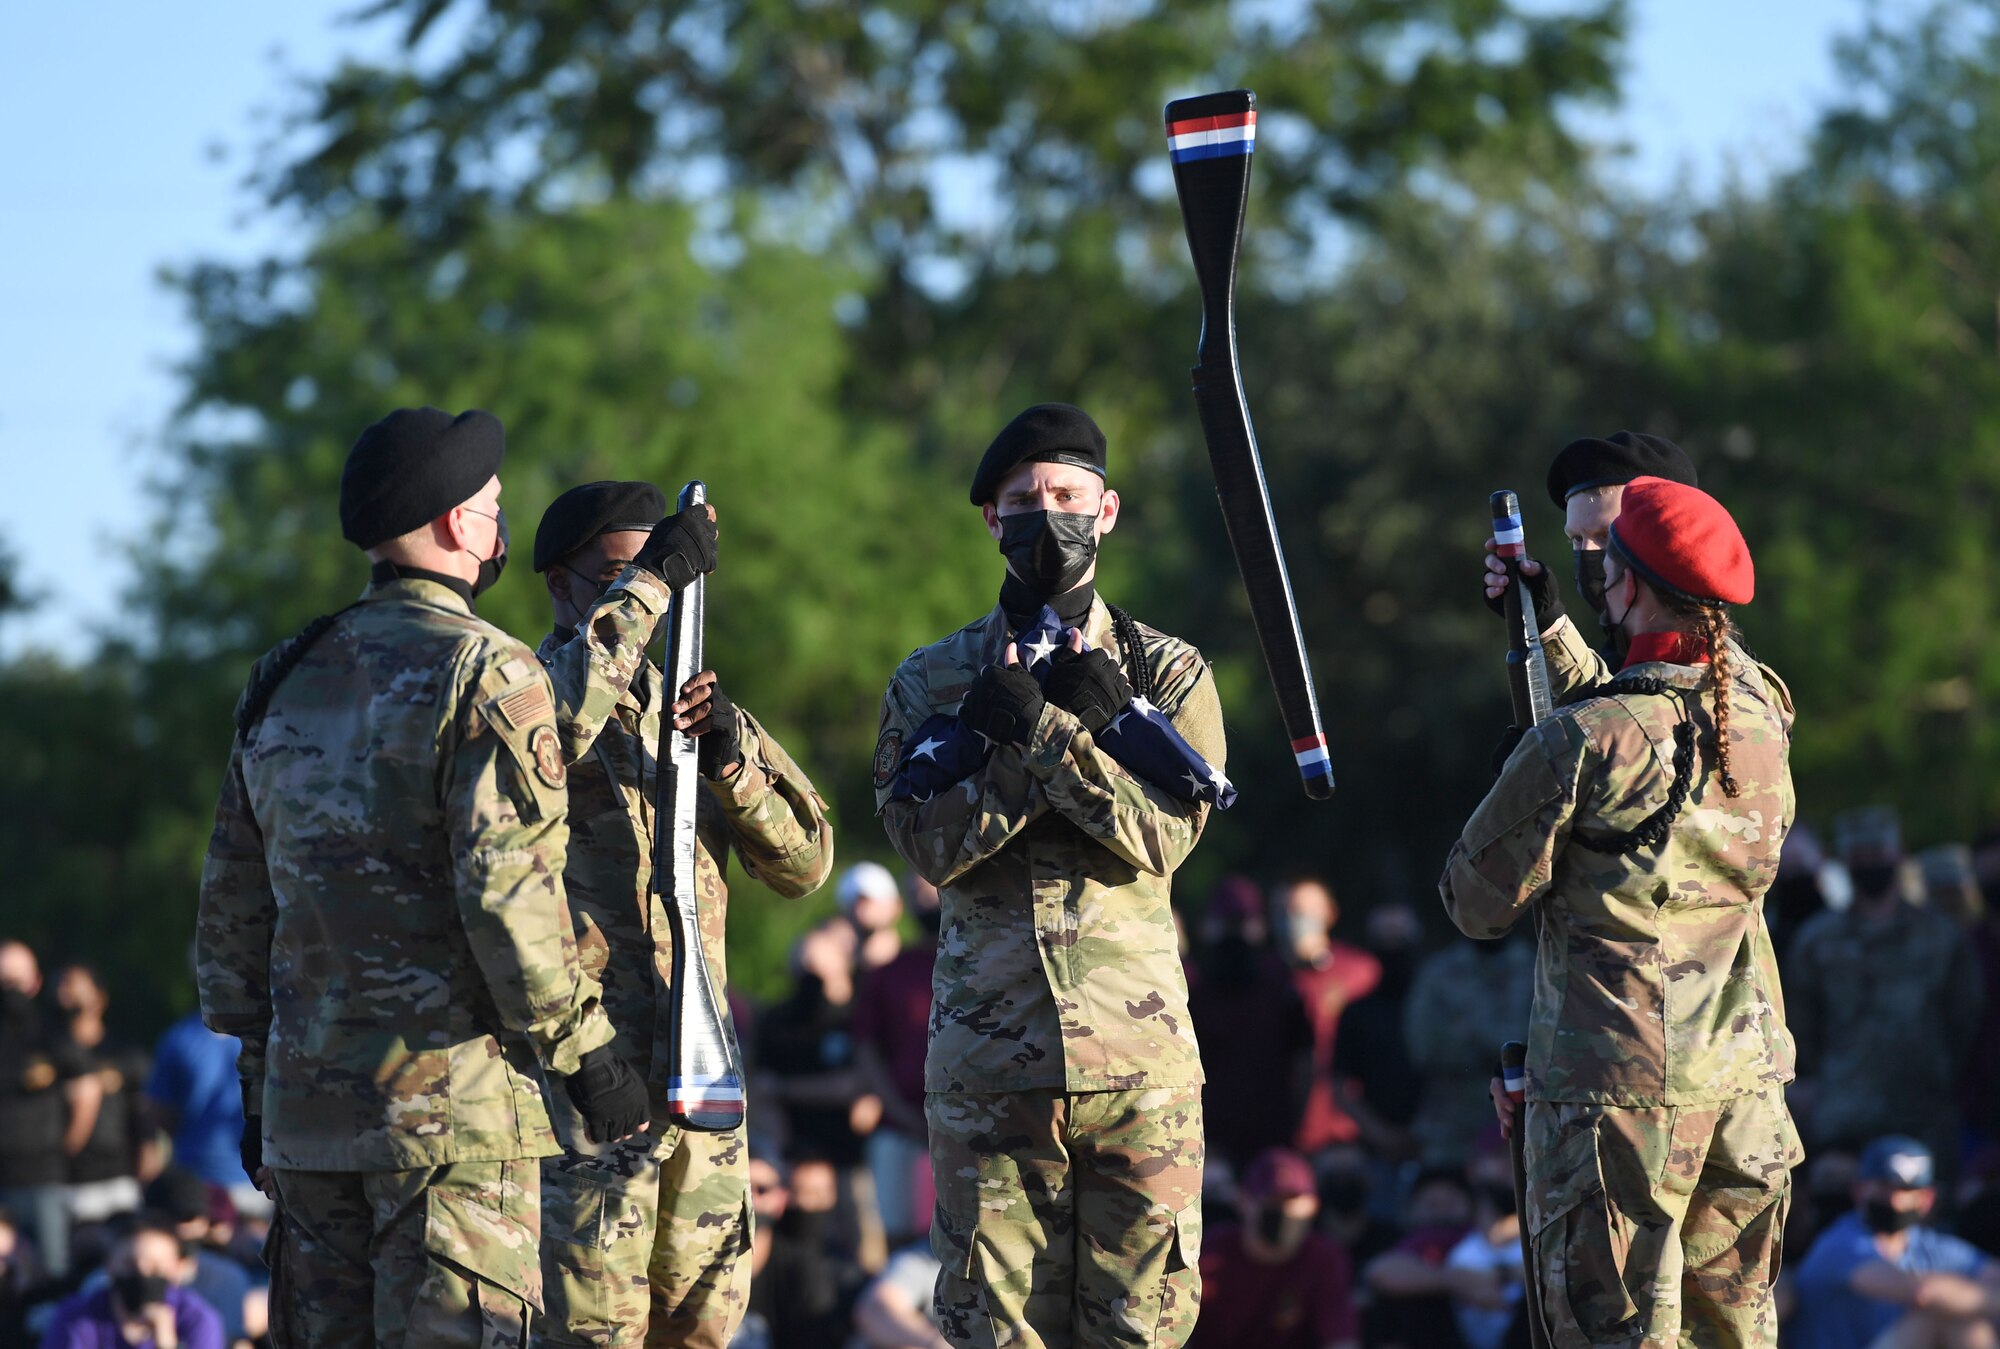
[
  {"x": 1462, "y": 999},
  {"x": 647, "y": 1241},
  {"x": 1641, "y": 826},
  {"x": 1063, "y": 1082},
  {"x": 382, "y": 923},
  {"x": 1886, "y": 1007}
]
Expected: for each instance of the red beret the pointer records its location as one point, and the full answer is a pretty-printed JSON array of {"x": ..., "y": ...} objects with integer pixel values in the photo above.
[{"x": 1680, "y": 538}]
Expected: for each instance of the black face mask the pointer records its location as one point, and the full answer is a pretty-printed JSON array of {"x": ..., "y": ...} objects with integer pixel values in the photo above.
[
  {"x": 490, "y": 568},
  {"x": 1271, "y": 1224},
  {"x": 1873, "y": 881},
  {"x": 139, "y": 1290},
  {"x": 1590, "y": 580},
  {"x": 1049, "y": 550},
  {"x": 1343, "y": 1194},
  {"x": 1882, "y": 1217}
]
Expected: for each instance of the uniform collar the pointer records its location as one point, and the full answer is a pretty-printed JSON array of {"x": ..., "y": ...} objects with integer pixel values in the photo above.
[
  {"x": 1666, "y": 648},
  {"x": 388, "y": 581}
]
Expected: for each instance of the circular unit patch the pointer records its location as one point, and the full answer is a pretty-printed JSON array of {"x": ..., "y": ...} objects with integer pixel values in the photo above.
[{"x": 549, "y": 766}]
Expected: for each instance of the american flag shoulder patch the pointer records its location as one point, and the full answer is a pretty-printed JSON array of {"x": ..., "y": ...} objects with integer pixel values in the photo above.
[{"x": 526, "y": 706}]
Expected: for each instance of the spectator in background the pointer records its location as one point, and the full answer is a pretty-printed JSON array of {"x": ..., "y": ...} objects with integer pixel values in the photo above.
[
  {"x": 1485, "y": 1266},
  {"x": 1950, "y": 887},
  {"x": 1373, "y": 1080},
  {"x": 1878, "y": 1277},
  {"x": 1799, "y": 894},
  {"x": 105, "y": 1174},
  {"x": 892, "y": 1016},
  {"x": 1330, "y": 976},
  {"x": 897, "y": 1310},
  {"x": 48, "y": 1106},
  {"x": 198, "y": 1098},
  {"x": 185, "y": 1199},
  {"x": 1882, "y": 1001},
  {"x": 1468, "y": 999},
  {"x": 1346, "y": 1213},
  {"x": 17, "y": 1280},
  {"x": 1271, "y": 1281},
  {"x": 1243, "y": 1006},
  {"x": 799, "y": 1295},
  {"x": 869, "y": 899},
  {"x": 805, "y": 1057},
  {"x": 1410, "y": 1284},
  {"x": 144, "y": 1302}
]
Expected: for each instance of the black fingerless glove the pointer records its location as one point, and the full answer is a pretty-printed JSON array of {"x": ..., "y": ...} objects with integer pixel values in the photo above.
[
  {"x": 1542, "y": 590},
  {"x": 1504, "y": 751},
  {"x": 1003, "y": 704},
  {"x": 608, "y": 1094},
  {"x": 252, "y": 1145},
  {"x": 1089, "y": 685},
  {"x": 719, "y": 746},
  {"x": 680, "y": 548}
]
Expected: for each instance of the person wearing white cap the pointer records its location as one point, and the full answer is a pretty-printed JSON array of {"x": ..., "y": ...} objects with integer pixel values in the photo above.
[{"x": 870, "y": 900}]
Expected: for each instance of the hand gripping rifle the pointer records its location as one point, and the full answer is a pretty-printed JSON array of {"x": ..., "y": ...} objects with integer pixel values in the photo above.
[
  {"x": 1527, "y": 664},
  {"x": 1210, "y": 139},
  {"x": 705, "y": 1075}
]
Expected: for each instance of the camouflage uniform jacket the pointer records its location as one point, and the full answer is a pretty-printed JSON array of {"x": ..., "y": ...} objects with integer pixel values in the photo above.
[
  {"x": 382, "y": 920},
  {"x": 1884, "y": 1017},
  {"x": 1655, "y": 981},
  {"x": 1058, "y": 964},
  {"x": 1463, "y": 1002},
  {"x": 609, "y": 698}
]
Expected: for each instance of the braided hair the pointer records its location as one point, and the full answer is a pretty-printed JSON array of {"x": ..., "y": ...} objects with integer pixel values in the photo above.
[{"x": 1711, "y": 624}]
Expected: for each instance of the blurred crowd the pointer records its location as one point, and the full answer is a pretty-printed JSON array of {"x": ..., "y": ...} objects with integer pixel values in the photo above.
[{"x": 1358, "y": 1190}]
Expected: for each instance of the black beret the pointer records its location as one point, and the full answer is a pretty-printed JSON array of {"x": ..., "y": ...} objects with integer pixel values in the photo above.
[
  {"x": 411, "y": 467},
  {"x": 582, "y": 513},
  {"x": 1047, "y": 432},
  {"x": 1615, "y": 459}
]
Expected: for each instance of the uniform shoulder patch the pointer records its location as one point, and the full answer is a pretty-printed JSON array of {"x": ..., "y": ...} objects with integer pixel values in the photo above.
[
  {"x": 547, "y": 750},
  {"x": 526, "y": 706},
  {"x": 888, "y": 753}
]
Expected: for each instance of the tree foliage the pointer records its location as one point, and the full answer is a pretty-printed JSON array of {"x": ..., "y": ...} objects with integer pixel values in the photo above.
[{"x": 816, "y": 254}]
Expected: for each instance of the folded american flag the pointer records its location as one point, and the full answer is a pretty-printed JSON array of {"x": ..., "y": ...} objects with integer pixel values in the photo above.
[{"x": 944, "y": 753}]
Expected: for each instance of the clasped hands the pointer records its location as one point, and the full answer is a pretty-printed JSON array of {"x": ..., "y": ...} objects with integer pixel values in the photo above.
[{"x": 1005, "y": 701}]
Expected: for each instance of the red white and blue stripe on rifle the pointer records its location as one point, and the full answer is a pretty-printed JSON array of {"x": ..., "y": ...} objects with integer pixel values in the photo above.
[
  {"x": 1314, "y": 761},
  {"x": 689, "y": 1094},
  {"x": 1233, "y": 133},
  {"x": 1508, "y": 538}
]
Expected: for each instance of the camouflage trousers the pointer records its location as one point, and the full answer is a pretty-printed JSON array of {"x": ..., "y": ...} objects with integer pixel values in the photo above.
[
  {"x": 443, "y": 1255},
  {"x": 1659, "y": 1227},
  {"x": 1067, "y": 1220},
  {"x": 647, "y": 1242}
]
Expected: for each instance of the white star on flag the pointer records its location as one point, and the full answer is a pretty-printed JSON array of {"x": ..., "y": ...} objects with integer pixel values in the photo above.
[
  {"x": 927, "y": 750},
  {"x": 1116, "y": 722},
  {"x": 1041, "y": 649},
  {"x": 1194, "y": 783},
  {"x": 1220, "y": 782},
  {"x": 1142, "y": 706}
]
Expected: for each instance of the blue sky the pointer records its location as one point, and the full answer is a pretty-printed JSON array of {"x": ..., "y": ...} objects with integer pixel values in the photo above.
[{"x": 126, "y": 128}]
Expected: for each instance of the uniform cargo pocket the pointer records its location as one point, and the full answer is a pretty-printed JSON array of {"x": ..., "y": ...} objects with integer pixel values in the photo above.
[
  {"x": 280, "y": 1295},
  {"x": 482, "y": 1239},
  {"x": 1186, "y": 1253},
  {"x": 1581, "y": 1244}
]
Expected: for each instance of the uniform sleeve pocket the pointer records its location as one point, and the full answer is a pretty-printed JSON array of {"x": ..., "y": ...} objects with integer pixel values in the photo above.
[{"x": 1581, "y": 1245}]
